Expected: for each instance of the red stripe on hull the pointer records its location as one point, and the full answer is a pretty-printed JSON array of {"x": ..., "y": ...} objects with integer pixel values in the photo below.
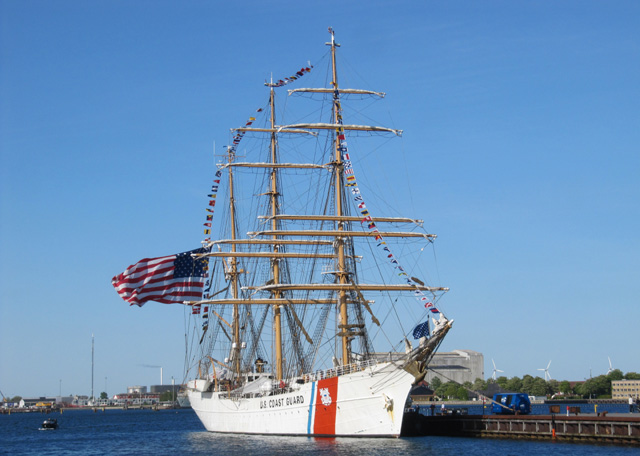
[{"x": 326, "y": 407}]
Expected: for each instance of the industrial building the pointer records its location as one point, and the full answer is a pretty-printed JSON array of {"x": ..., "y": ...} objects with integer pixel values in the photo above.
[{"x": 459, "y": 366}]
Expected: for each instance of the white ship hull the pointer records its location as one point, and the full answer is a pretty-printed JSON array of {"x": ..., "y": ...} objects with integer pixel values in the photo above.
[{"x": 368, "y": 402}]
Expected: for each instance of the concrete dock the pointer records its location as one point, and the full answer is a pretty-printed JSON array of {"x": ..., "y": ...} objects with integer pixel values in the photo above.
[{"x": 616, "y": 429}]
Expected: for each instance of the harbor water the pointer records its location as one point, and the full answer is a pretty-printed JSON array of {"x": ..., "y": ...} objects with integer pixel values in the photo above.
[{"x": 179, "y": 432}]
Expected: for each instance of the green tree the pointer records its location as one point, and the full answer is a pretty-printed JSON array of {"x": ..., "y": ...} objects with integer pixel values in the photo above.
[
  {"x": 441, "y": 391},
  {"x": 615, "y": 374},
  {"x": 167, "y": 396},
  {"x": 435, "y": 383},
  {"x": 462, "y": 393},
  {"x": 538, "y": 387},
  {"x": 594, "y": 387},
  {"x": 527, "y": 384},
  {"x": 479, "y": 385},
  {"x": 502, "y": 381},
  {"x": 451, "y": 390},
  {"x": 632, "y": 376},
  {"x": 564, "y": 387},
  {"x": 103, "y": 395},
  {"x": 16, "y": 399},
  {"x": 603, "y": 385},
  {"x": 514, "y": 385}
]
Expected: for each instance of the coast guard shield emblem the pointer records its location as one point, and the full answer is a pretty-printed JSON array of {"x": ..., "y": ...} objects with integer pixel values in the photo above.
[{"x": 325, "y": 397}]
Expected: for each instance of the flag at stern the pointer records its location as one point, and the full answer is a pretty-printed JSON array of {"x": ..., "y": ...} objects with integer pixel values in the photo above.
[{"x": 168, "y": 280}]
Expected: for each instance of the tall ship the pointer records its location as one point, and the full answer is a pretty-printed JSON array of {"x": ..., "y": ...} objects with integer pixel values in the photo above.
[{"x": 310, "y": 310}]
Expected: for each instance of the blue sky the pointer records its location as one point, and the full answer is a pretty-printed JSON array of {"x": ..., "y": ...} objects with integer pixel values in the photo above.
[{"x": 522, "y": 132}]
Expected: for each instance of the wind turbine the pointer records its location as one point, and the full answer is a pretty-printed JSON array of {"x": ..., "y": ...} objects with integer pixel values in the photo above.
[
  {"x": 495, "y": 369},
  {"x": 610, "y": 366},
  {"x": 547, "y": 376}
]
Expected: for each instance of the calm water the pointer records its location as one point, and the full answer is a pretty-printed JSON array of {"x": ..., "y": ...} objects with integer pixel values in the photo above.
[{"x": 171, "y": 432}]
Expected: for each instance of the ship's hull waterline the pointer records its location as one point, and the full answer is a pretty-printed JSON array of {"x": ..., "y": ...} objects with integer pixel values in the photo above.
[{"x": 367, "y": 403}]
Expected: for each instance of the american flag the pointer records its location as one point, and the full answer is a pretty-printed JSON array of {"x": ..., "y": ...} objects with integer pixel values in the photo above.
[{"x": 170, "y": 279}]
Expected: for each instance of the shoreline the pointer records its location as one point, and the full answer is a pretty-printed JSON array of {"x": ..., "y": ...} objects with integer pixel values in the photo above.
[{"x": 62, "y": 410}]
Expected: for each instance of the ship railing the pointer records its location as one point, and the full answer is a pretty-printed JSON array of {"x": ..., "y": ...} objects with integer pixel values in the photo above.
[
  {"x": 286, "y": 386},
  {"x": 338, "y": 370},
  {"x": 291, "y": 385}
]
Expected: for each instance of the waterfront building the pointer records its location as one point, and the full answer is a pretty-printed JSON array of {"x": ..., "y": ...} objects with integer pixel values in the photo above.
[
  {"x": 40, "y": 402},
  {"x": 64, "y": 401},
  {"x": 136, "y": 398},
  {"x": 622, "y": 389},
  {"x": 81, "y": 401}
]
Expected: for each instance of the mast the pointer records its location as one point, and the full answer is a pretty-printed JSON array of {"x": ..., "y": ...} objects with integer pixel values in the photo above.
[
  {"x": 329, "y": 235},
  {"x": 233, "y": 272},
  {"x": 341, "y": 273},
  {"x": 275, "y": 265}
]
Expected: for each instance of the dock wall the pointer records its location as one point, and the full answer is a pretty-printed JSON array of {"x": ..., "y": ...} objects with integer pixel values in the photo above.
[{"x": 617, "y": 430}]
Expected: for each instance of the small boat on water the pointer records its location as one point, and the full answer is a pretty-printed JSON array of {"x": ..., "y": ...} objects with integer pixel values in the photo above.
[{"x": 49, "y": 424}]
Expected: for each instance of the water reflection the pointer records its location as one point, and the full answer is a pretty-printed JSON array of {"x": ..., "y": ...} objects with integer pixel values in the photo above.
[
  {"x": 206, "y": 443},
  {"x": 211, "y": 443}
]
